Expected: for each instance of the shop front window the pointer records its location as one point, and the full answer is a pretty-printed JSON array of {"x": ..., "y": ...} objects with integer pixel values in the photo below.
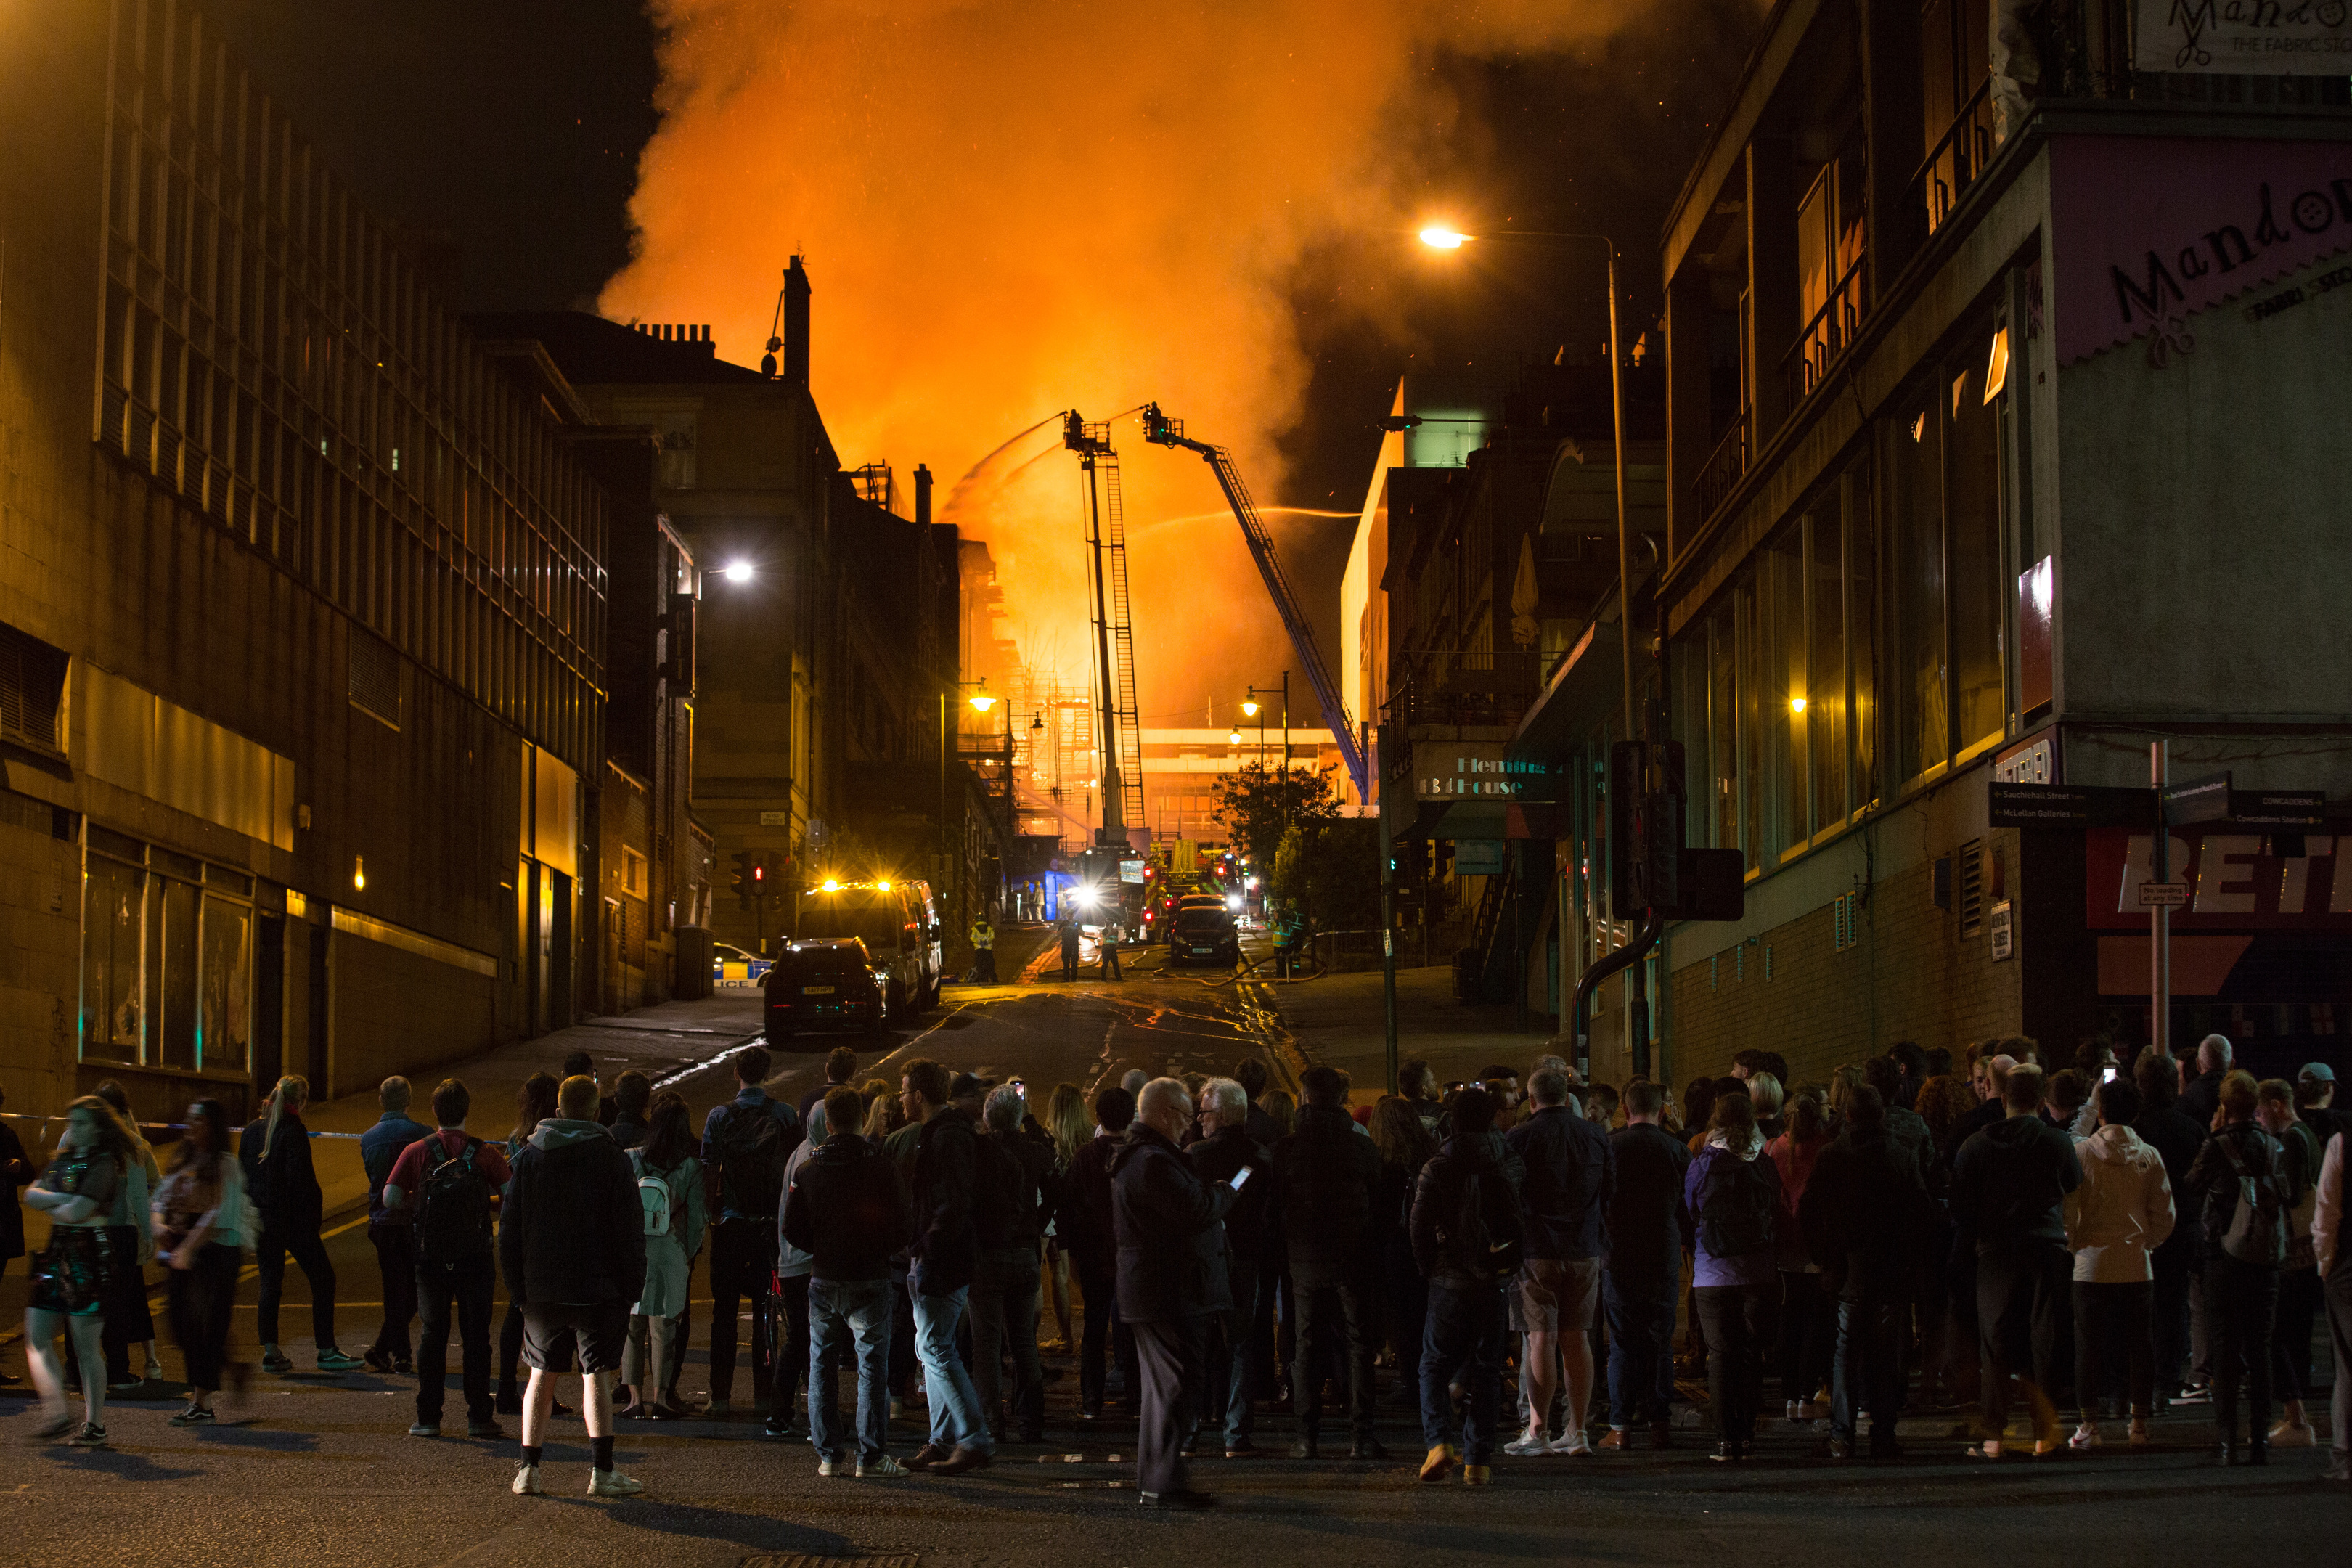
[
  {"x": 224, "y": 1025},
  {"x": 113, "y": 912},
  {"x": 175, "y": 903}
]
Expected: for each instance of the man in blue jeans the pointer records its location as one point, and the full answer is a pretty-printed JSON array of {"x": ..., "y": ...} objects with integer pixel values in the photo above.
[
  {"x": 1647, "y": 1232},
  {"x": 942, "y": 1261},
  {"x": 848, "y": 1211}
]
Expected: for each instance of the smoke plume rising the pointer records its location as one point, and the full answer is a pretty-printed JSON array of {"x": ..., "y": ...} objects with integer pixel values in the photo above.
[{"x": 1014, "y": 206}]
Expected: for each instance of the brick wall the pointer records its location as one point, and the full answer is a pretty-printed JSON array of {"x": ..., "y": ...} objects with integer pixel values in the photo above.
[{"x": 1909, "y": 976}]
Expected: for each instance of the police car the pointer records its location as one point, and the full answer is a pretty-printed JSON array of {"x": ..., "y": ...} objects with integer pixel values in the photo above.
[{"x": 732, "y": 969}]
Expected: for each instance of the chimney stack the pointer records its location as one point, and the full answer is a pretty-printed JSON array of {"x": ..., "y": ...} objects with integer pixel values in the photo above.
[
  {"x": 796, "y": 323},
  {"x": 922, "y": 495}
]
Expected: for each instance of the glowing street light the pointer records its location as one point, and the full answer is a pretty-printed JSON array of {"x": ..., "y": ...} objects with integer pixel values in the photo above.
[
  {"x": 1438, "y": 236},
  {"x": 1234, "y": 738},
  {"x": 736, "y": 571},
  {"x": 832, "y": 885},
  {"x": 1249, "y": 708},
  {"x": 1796, "y": 705}
]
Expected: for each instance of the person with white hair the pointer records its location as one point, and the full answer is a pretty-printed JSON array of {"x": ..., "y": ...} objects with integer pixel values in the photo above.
[
  {"x": 1169, "y": 1226},
  {"x": 2202, "y": 1096},
  {"x": 1224, "y": 1151},
  {"x": 1014, "y": 1192}
]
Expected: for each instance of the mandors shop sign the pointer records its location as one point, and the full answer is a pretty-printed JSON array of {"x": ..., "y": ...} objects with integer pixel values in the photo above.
[{"x": 2149, "y": 232}]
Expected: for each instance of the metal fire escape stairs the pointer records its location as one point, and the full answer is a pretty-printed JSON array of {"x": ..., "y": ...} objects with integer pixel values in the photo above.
[
  {"x": 1114, "y": 626},
  {"x": 1162, "y": 431}
]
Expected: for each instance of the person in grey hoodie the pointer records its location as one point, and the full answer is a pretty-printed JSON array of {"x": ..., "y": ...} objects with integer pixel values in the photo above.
[
  {"x": 2120, "y": 1215},
  {"x": 573, "y": 1246}
]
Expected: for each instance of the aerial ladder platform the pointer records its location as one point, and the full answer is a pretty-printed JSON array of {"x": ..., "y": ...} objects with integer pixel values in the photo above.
[
  {"x": 1114, "y": 628},
  {"x": 1162, "y": 431}
]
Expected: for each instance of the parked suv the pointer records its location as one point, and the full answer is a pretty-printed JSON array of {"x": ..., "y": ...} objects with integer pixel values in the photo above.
[
  {"x": 826, "y": 983},
  {"x": 897, "y": 923}
]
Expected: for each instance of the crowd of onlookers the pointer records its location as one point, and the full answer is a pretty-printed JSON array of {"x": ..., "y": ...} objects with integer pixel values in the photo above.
[{"x": 1918, "y": 1231}]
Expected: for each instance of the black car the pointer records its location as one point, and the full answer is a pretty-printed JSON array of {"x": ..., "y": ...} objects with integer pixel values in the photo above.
[
  {"x": 825, "y": 983},
  {"x": 1203, "y": 934}
]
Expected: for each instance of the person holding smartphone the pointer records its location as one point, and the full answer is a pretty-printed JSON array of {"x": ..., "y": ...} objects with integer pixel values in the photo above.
[{"x": 1227, "y": 1154}]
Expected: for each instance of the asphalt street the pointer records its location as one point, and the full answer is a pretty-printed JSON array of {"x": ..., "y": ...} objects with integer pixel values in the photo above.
[{"x": 319, "y": 1470}]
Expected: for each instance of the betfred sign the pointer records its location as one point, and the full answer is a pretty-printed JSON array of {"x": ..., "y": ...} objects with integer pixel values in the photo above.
[{"x": 2232, "y": 883}]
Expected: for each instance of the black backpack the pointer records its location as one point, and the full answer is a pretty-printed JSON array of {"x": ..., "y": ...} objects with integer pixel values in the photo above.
[
  {"x": 452, "y": 1211},
  {"x": 1739, "y": 1216},
  {"x": 2257, "y": 1230},
  {"x": 1489, "y": 1232},
  {"x": 748, "y": 1151}
]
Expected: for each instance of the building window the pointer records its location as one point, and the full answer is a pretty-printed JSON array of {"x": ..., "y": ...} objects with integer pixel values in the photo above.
[
  {"x": 32, "y": 686},
  {"x": 375, "y": 676},
  {"x": 224, "y": 1024},
  {"x": 114, "y": 905},
  {"x": 1946, "y": 461}
]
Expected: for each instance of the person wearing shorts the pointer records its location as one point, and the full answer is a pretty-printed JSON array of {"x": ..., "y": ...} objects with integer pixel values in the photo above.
[
  {"x": 1571, "y": 1177},
  {"x": 571, "y": 1240}
]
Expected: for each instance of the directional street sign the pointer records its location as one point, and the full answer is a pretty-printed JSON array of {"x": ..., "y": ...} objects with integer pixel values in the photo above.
[
  {"x": 2197, "y": 800},
  {"x": 2071, "y": 805}
]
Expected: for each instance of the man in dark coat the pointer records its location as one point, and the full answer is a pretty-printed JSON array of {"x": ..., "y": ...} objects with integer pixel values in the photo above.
[
  {"x": 1224, "y": 1149},
  {"x": 1325, "y": 1175},
  {"x": 1862, "y": 1212},
  {"x": 572, "y": 1242},
  {"x": 1084, "y": 1227},
  {"x": 2010, "y": 1184},
  {"x": 1648, "y": 1233},
  {"x": 2175, "y": 1137},
  {"x": 1170, "y": 1225}
]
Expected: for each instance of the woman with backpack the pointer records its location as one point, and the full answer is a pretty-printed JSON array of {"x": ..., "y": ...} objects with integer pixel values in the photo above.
[
  {"x": 1808, "y": 1317},
  {"x": 1732, "y": 1193},
  {"x": 669, "y": 1192},
  {"x": 534, "y": 1103},
  {"x": 2244, "y": 1189},
  {"x": 202, "y": 1229}
]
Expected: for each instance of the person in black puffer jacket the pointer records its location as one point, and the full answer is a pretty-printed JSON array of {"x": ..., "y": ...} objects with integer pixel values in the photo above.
[
  {"x": 1862, "y": 1215},
  {"x": 1325, "y": 1176}
]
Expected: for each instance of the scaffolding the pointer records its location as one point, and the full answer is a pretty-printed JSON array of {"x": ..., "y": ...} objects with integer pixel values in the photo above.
[{"x": 1114, "y": 635}]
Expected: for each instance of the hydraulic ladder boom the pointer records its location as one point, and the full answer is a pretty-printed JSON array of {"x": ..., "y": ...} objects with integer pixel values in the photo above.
[{"x": 1162, "y": 431}]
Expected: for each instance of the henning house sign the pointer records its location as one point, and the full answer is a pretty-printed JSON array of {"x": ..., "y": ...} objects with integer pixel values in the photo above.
[{"x": 1476, "y": 769}]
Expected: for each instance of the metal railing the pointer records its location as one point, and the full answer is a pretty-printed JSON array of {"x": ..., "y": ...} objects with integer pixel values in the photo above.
[
  {"x": 1487, "y": 686},
  {"x": 1956, "y": 161},
  {"x": 1828, "y": 335},
  {"x": 1725, "y": 467}
]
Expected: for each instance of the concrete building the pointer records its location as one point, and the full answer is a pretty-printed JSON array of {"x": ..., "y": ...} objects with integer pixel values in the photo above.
[
  {"x": 302, "y": 606},
  {"x": 825, "y": 635},
  {"x": 2031, "y": 459}
]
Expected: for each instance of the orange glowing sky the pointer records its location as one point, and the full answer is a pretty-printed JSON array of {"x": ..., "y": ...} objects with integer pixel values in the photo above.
[{"x": 1013, "y": 208}]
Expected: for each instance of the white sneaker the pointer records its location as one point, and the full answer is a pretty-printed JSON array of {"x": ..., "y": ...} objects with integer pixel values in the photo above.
[
  {"x": 1573, "y": 1442},
  {"x": 2086, "y": 1435},
  {"x": 526, "y": 1481},
  {"x": 1530, "y": 1446},
  {"x": 2292, "y": 1435},
  {"x": 612, "y": 1483},
  {"x": 878, "y": 1467},
  {"x": 826, "y": 1464}
]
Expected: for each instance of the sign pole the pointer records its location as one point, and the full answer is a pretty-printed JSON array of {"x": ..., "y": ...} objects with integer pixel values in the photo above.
[{"x": 2160, "y": 927}]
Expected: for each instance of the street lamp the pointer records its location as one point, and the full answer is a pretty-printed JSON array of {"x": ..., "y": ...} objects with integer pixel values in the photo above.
[
  {"x": 737, "y": 572},
  {"x": 1438, "y": 237}
]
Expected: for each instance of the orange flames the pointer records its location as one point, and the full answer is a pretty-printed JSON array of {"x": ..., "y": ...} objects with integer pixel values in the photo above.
[{"x": 1014, "y": 206}]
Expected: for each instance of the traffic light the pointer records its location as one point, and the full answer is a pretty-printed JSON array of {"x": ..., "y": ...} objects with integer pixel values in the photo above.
[{"x": 743, "y": 876}]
